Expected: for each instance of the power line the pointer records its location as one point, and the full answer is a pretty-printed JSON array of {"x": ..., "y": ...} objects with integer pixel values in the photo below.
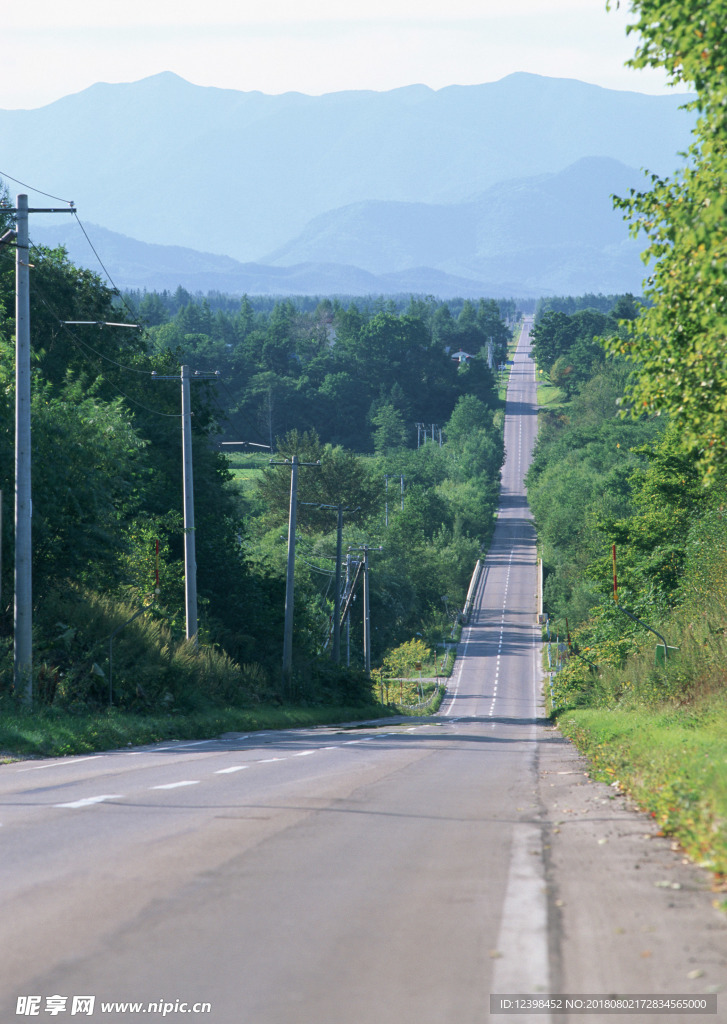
[
  {"x": 146, "y": 373},
  {"x": 72, "y": 205},
  {"x": 105, "y": 270},
  {"x": 318, "y": 568},
  {"x": 40, "y": 192},
  {"x": 134, "y": 401},
  {"x": 82, "y": 344}
]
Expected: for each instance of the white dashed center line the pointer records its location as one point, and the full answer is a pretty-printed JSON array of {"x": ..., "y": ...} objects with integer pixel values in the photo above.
[
  {"x": 176, "y": 785},
  {"x": 89, "y": 800}
]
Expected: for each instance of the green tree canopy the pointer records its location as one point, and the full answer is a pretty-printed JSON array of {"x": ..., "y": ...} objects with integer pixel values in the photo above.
[{"x": 679, "y": 342}]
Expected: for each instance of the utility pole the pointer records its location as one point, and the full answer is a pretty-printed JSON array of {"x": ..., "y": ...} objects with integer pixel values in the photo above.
[
  {"x": 386, "y": 499},
  {"x": 336, "y": 653},
  {"x": 348, "y": 617},
  {"x": 23, "y": 612},
  {"x": 290, "y": 578},
  {"x": 366, "y": 612},
  {"x": 336, "y": 649},
  {"x": 367, "y": 615},
  {"x": 23, "y": 509},
  {"x": 290, "y": 570},
  {"x": 190, "y": 553}
]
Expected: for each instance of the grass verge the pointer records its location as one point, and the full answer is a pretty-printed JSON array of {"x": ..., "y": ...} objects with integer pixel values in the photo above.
[
  {"x": 672, "y": 763},
  {"x": 51, "y": 733},
  {"x": 549, "y": 396}
]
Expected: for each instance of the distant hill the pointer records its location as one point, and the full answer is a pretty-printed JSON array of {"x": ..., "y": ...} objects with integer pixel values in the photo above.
[
  {"x": 133, "y": 264},
  {"x": 551, "y": 234},
  {"x": 244, "y": 173}
]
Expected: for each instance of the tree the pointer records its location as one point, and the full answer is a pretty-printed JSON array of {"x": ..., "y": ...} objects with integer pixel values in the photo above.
[
  {"x": 564, "y": 345},
  {"x": 678, "y": 343},
  {"x": 390, "y": 429},
  {"x": 343, "y": 405},
  {"x": 552, "y": 336},
  {"x": 468, "y": 415},
  {"x": 339, "y": 477},
  {"x": 403, "y": 660}
]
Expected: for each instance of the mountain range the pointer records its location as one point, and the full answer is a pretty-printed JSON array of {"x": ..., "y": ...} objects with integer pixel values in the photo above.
[{"x": 501, "y": 188}]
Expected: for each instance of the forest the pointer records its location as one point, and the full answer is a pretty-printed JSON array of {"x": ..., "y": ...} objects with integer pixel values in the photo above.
[{"x": 406, "y": 437}]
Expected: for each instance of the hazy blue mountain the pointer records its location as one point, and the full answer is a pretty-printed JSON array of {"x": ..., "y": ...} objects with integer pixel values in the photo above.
[
  {"x": 243, "y": 173},
  {"x": 554, "y": 233},
  {"x": 134, "y": 264}
]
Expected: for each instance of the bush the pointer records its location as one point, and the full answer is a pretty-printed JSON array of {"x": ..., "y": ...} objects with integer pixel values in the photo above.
[{"x": 149, "y": 669}]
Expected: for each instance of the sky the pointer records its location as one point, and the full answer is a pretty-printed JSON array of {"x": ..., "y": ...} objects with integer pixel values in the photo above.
[{"x": 52, "y": 49}]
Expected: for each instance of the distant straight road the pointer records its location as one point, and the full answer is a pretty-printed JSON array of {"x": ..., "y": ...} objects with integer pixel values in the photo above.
[{"x": 398, "y": 872}]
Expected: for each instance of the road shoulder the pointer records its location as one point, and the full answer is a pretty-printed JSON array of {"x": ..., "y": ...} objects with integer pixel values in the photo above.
[{"x": 629, "y": 913}]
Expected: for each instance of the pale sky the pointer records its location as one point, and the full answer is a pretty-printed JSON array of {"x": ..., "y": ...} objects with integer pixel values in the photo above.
[{"x": 55, "y": 47}]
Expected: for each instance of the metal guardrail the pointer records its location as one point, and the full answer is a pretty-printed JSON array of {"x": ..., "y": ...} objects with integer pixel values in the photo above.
[{"x": 469, "y": 601}]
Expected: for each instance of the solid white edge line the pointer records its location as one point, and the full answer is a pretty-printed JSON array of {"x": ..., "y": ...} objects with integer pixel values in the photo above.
[
  {"x": 459, "y": 672},
  {"x": 60, "y": 763}
]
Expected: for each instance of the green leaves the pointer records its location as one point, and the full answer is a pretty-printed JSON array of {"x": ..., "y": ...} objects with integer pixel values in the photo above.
[{"x": 679, "y": 343}]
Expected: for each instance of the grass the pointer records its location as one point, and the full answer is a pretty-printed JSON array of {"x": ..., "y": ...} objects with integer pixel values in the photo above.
[
  {"x": 549, "y": 396},
  {"x": 55, "y": 733},
  {"x": 672, "y": 762},
  {"x": 246, "y": 469}
]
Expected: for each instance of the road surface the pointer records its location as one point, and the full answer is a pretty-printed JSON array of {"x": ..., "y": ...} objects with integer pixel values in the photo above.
[{"x": 396, "y": 872}]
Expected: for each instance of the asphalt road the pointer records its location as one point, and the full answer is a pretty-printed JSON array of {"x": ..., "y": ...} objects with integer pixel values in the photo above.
[{"x": 400, "y": 871}]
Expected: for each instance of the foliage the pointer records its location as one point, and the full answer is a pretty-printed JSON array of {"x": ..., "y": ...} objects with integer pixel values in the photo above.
[
  {"x": 679, "y": 342},
  {"x": 360, "y": 378},
  {"x": 566, "y": 348},
  {"x": 403, "y": 660},
  {"x": 582, "y": 481}
]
